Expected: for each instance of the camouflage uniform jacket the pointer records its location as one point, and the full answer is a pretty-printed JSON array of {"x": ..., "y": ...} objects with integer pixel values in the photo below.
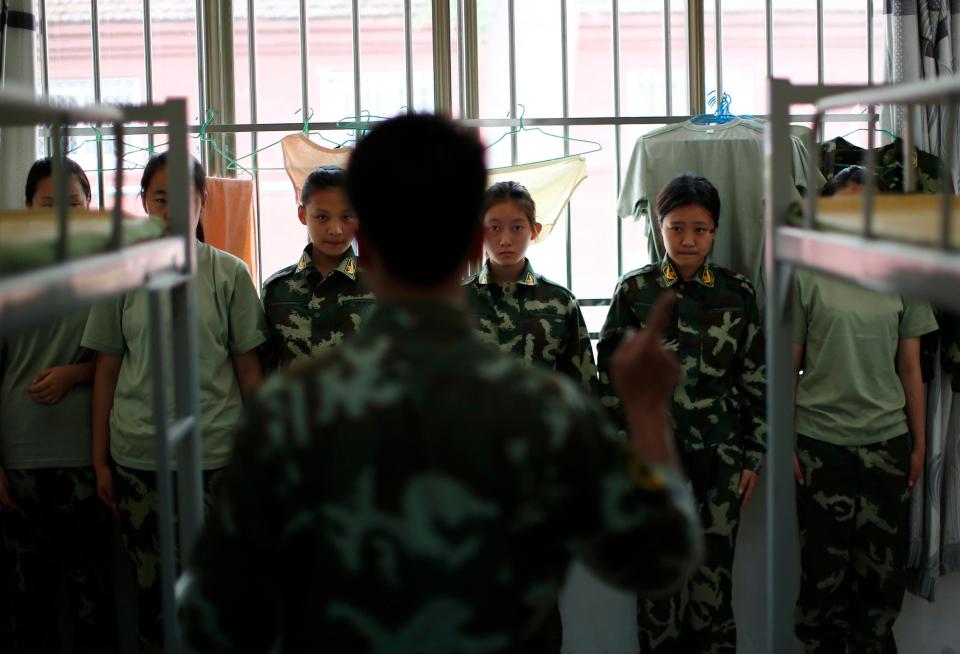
[
  {"x": 414, "y": 491},
  {"x": 535, "y": 320},
  {"x": 716, "y": 334},
  {"x": 308, "y": 313},
  {"x": 929, "y": 170}
]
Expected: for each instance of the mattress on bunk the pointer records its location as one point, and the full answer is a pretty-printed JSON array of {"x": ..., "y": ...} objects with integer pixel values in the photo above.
[
  {"x": 28, "y": 239},
  {"x": 912, "y": 218}
]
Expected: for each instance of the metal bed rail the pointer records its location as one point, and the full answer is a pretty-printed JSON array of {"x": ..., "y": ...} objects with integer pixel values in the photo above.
[
  {"x": 166, "y": 265},
  {"x": 926, "y": 273}
]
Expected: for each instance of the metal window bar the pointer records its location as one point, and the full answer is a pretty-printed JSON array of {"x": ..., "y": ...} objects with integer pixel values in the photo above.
[
  {"x": 870, "y": 42},
  {"x": 201, "y": 74},
  {"x": 512, "y": 74},
  {"x": 355, "y": 29},
  {"x": 768, "y": 26},
  {"x": 565, "y": 79},
  {"x": 923, "y": 272},
  {"x": 254, "y": 141},
  {"x": 304, "y": 80},
  {"x": 148, "y": 61},
  {"x": 97, "y": 97},
  {"x": 408, "y": 52},
  {"x": 668, "y": 55},
  {"x": 479, "y": 122},
  {"x": 718, "y": 30},
  {"x": 615, "y": 9}
]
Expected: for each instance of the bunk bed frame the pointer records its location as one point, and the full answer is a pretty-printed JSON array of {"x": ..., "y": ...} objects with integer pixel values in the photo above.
[
  {"x": 925, "y": 273},
  {"x": 165, "y": 265}
]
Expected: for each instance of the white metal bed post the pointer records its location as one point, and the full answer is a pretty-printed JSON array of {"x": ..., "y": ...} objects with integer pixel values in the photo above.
[
  {"x": 183, "y": 435},
  {"x": 780, "y": 547}
]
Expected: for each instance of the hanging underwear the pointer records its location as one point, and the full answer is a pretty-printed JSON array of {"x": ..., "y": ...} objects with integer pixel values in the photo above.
[{"x": 301, "y": 156}]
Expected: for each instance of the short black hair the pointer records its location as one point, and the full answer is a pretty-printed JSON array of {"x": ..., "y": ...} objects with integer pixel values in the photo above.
[
  {"x": 847, "y": 176},
  {"x": 321, "y": 178},
  {"x": 426, "y": 168},
  {"x": 158, "y": 161},
  {"x": 687, "y": 189},
  {"x": 516, "y": 193},
  {"x": 43, "y": 168}
]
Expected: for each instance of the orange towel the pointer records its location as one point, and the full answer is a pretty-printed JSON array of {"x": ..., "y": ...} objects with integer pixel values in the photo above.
[
  {"x": 228, "y": 219},
  {"x": 301, "y": 156}
]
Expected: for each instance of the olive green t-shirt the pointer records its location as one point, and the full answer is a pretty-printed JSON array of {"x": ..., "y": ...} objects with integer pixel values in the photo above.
[
  {"x": 35, "y": 435},
  {"x": 229, "y": 321},
  {"x": 850, "y": 393}
]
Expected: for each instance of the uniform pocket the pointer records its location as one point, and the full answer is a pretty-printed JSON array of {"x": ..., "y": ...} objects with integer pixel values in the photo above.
[
  {"x": 550, "y": 335},
  {"x": 720, "y": 340}
]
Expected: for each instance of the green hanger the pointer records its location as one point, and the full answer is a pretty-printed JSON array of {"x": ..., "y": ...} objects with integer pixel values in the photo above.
[
  {"x": 523, "y": 128},
  {"x": 864, "y": 129}
]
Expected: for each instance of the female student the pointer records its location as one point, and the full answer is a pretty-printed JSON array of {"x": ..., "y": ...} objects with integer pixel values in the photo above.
[
  {"x": 517, "y": 310},
  {"x": 718, "y": 408},
  {"x": 321, "y": 300},
  {"x": 860, "y": 423},
  {"x": 55, "y": 531},
  {"x": 230, "y": 328}
]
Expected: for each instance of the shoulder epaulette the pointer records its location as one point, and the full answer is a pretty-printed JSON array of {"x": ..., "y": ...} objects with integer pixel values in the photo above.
[{"x": 283, "y": 272}]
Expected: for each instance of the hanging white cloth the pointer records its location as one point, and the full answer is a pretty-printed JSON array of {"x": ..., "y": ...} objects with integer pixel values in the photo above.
[
  {"x": 550, "y": 183},
  {"x": 18, "y": 145}
]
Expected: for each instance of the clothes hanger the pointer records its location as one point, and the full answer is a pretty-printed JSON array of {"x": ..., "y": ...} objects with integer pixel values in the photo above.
[
  {"x": 523, "y": 128},
  {"x": 864, "y": 129},
  {"x": 722, "y": 115}
]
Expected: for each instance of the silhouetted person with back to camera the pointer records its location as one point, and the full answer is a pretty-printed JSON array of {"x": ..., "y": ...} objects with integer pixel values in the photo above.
[{"x": 415, "y": 490}]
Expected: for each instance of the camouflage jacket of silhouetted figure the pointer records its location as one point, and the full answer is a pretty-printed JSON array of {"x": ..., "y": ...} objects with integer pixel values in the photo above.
[
  {"x": 535, "y": 320},
  {"x": 453, "y": 537},
  {"x": 308, "y": 314},
  {"x": 717, "y": 334}
]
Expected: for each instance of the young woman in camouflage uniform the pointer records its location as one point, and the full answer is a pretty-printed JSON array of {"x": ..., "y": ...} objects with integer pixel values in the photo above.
[
  {"x": 320, "y": 301},
  {"x": 860, "y": 426},
  {"x": 230, "y": 328},
  {"x": 54, "y": 529},
  {"x": 718, "y": 407},
  {"x": 514, "y": 308}
]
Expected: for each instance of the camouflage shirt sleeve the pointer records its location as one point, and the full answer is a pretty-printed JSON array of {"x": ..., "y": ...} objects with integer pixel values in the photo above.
[
  {"x": 751, "y": 381},
  {"x": 620, "y": 321},
  {"x": 233, "y": 596},
  {"x": 577, "y": 360}
]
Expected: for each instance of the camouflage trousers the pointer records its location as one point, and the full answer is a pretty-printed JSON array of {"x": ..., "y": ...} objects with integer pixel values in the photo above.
[
  {"x": 59, "y": 540},
  {"x": 853, "y": 513},
  {"x": 136, "y": 493},
  {"x": 704, "y": 622}
]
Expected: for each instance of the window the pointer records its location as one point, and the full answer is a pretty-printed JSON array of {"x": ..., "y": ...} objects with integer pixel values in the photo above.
[{"x": 357, "y": 64}]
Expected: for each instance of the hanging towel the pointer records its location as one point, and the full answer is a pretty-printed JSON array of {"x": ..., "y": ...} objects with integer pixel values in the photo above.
[
  {"x": 18, "y": 145},
  {"x": 301, "y": 156},
  {"x": 551, "y": 183},
  {"x": 228, "y": 219}
]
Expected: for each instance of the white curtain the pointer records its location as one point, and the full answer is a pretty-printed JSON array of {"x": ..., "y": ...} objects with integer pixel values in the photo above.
[
  {"x": 18, "y": 145},
  {"x": 923, "y": 43}
]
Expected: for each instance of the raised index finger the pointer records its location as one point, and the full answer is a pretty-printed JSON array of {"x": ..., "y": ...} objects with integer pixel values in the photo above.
[{"x": 659, "y": 318}]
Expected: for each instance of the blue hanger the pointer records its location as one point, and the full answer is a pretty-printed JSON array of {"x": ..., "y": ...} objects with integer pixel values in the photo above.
[{"x": 721, "y": 116}]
